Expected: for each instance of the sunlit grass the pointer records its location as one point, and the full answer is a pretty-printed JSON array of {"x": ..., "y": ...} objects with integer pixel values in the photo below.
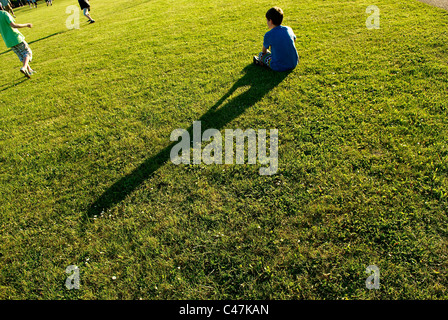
[{"x": 85, "y": 179}]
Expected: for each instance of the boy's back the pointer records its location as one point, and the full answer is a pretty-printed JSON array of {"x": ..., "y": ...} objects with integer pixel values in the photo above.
[
  {"x": 10, "y": 35},
  {"x": 284, "y": 53}
]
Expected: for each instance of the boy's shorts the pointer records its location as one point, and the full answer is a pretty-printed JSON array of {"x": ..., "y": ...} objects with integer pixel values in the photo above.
[
  {"x": 22, "y": 50},
  {"x": 84, "y": 4}
]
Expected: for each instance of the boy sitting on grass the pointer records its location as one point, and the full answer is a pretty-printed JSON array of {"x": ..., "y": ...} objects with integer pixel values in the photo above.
[
  {"x": 16, "y": 41},
  {"x": 281, "y": 40}
]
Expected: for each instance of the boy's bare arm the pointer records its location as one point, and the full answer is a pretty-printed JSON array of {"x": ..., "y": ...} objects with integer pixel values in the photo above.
[
  {"x": 16, "y": 25},
  {"x": 264, "y": 50}
]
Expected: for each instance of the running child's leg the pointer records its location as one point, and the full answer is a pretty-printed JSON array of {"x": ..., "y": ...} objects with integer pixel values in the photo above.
[
  {"x": 23, "y": 51},
  {"x": 26, "y": 66},
  {"x": 11, "y": 11},
  {"x": 87, "y": 14}
]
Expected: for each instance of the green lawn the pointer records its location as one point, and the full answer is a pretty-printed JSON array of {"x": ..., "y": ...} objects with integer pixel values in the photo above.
[{"x": 86, "y": 178}]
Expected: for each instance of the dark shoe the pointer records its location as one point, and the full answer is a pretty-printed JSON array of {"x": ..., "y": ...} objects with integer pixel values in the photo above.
[
  {"x": 91, "y": 21},
  {"x": 257, "y": 61}
]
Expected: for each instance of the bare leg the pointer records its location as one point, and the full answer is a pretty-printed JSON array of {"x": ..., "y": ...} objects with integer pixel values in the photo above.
[
  {"x": 87, "y": 14},
  {"x": 26, "y": 62},
  {"x": 11, "y": 11},
  {"x": 31, "y": 71},
  {"x": 25, "y": 68}
]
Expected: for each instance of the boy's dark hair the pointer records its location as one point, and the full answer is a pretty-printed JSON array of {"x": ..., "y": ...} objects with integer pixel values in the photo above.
[{"x": 276, "y": 15}]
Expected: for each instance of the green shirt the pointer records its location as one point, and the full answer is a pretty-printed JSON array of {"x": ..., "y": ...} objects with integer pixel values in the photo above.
[{"x": 10, "y": 35}]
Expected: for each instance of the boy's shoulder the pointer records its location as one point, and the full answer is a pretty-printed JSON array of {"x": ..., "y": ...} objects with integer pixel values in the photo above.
[
  {"x": 6, "y": 18},
  {"x": 287, "y": 28},
  {"x": 279, "y": 30},
  {"x": 5, "y": 14}
]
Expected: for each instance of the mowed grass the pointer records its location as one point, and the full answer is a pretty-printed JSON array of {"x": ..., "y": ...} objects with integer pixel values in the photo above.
[{"x": 86, "y": 180}]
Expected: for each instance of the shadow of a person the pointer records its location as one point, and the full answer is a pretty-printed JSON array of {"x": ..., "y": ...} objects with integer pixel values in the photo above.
[
  {"x": 43, "y": 38},
  {"x": 8, "y": 86},
  {"x": 259, "y": 80}
]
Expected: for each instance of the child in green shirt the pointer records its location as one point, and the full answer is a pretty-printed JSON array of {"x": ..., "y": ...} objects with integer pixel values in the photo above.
[{"x": 16, "y": 41}]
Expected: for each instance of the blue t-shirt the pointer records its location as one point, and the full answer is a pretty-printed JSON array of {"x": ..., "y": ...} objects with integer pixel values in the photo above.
[{"x": 283, "y": 50}]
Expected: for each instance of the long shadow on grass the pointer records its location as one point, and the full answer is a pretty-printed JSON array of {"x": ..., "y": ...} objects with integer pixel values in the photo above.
[
  {"x": 8, "y": 86},
  {"x": 260, "y": 81},
  {"x": 43, "y": 38}
]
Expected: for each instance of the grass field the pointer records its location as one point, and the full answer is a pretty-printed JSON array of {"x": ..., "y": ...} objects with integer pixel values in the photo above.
[{"x": 86, "y": 178}]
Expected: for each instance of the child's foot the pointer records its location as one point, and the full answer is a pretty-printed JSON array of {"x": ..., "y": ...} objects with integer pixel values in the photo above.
[
  {"x": 91, "y": 21},
  {"x": 25, "y": 72},
  {"x": 257, "y": 61}
]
